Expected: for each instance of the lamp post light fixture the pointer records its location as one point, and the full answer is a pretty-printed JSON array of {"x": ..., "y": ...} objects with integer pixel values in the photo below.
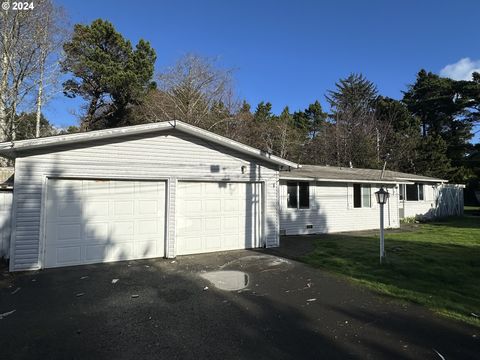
[{"x": 382, "y": 198}]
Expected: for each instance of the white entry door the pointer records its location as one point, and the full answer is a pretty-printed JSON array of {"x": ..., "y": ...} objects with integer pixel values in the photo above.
[
  {"x": 92, "y": 221},
  {"x": 217, "y": 216}
]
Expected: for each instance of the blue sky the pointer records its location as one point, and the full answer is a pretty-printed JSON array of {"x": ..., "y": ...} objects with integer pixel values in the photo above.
[{"x": 292, "y": 52}]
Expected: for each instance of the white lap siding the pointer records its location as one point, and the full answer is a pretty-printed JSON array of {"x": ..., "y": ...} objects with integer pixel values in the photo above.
[
  {"x": 5, "y": 221},
  {"x": 331, "y": 210},
  {"x": 425, "y": 207},
  {"x": 170, "y": 156}
]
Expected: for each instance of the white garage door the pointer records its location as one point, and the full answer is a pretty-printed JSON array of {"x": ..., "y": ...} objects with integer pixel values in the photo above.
[
  {"x": 92, "y": 221},
  {"x": 216, "y": 216}
]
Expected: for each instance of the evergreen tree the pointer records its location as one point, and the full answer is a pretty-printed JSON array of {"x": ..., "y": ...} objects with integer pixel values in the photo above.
[
  {"x": 431, "y": 159},
  {"x": 399, "y": 134},
  {"x": 245, "y": 107},
  {"x": 26, "y": 124},
  {"x": 444, "y": 107},
  {"x": 107, "y": 72},
  {"x": 353, "y": 113},
  {"x": 315, "y": 117},
  {"x": 263, "y": 112}
]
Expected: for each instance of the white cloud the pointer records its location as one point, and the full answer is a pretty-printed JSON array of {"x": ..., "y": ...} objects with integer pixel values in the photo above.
[{"x": 461, "y": 70}]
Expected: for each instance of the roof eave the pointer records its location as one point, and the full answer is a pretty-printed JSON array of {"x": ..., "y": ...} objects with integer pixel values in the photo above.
[
  {"x": 356, "y": 181},
  {"x": 430, "y": 180},
  {"x": 11, "y": 149}
]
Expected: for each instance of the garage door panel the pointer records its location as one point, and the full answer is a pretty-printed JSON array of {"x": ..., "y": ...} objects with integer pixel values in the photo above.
[
  {"x": 94, "y": 209},
  {"x": 212, "y": 242},
  {"x": 120, "y": 251},
  {"x": 213, "y": 205},
  {"x": 189, "y": 189},
  {"x": 96, "y": 253},
  {"x": 191, "y": 244},
  {"x": 106, "y": 220},
  {"x": 145, "y": 189},
  {"x": 67, "y": 255},
  {"x": 233, "y": 241},
  {"x": 211, "y": 188},
  {"x": 123, "y": 208},
  {"x": 95, "y": 189},
  {"x": 97, "y": 231},
  {"x": 192, "y": 207},
  {"x": 212, "y": 224},
  {"x": 121, "y": 229},
  {"x": 232, "y": 205},
  {"x": 69, "y": 208},
  {"x": 212, "y": 216},
  {"x": 68, "y": 232},
  {"x": 61, "y": 190},
  {"x": 190, "y": 226},
  {"x": 146, "y": 227},
  {"x": 123, "y": 189},
  {"x": 145, "y": 249},
  {"x": 148, "y": 207}
]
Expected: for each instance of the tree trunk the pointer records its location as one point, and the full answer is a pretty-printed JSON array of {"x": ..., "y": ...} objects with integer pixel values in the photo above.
[
  {"x": 92, "y": 108},
  {"x": 39, "y": 97},
  {"x": 3, "y": 88},
  {"x": 13, "y": 130}
]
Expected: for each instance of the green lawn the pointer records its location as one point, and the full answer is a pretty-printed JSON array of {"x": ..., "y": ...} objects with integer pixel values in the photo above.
[{"x": 434, "y": 264}]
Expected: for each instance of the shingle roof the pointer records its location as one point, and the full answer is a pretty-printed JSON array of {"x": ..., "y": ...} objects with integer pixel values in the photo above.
[
  {"x": 12, "y": 149},
  {"x": 318, "y": 173}
]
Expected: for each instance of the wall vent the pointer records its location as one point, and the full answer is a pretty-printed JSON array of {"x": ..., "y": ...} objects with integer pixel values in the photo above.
[{"x": 309, "y": 226}]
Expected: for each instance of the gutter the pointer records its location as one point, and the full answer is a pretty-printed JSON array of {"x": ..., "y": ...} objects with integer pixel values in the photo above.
[
  {"x": 6, "y": 149},
  {"x": 356, "y": 181}
]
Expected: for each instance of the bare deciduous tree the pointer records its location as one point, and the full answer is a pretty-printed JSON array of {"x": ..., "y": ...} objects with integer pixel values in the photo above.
[
  {"x": 27, "y": 39},
  {"x": 192, "y": 88},
  {"x": 51, "y": 34}
]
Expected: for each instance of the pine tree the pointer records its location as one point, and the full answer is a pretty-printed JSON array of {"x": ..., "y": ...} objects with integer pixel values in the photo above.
[
  {"x": 353, "y": 113},
  {"x": 107, "y": 72}
]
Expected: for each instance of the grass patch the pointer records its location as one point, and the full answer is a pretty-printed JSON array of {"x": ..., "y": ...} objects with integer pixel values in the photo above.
[{"x": 435, "y": 264}]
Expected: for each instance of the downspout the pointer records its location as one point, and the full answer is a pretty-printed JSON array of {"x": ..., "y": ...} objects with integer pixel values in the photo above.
[{"x": 389, "y": 223}]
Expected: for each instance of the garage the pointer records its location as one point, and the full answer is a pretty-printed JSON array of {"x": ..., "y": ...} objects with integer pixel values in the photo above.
[
  {"x": 91, "y": 221},
  {"x": 145, "y": 191},
  {"x": 218, "y": 216}
]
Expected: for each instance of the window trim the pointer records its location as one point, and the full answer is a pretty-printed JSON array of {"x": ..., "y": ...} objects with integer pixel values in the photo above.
[
  {"x": 417, "y": 185},
  {"x": 297, "y": 185},
  {"x": 291, "y": 184},
  {"x": 362, "y": 187}
]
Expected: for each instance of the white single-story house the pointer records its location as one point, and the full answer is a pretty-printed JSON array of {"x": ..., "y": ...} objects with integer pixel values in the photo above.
[
  {"x": 155, "y": 190},
  {"x": 169, "y": 188},
  {"x": 324, "y": 199}
]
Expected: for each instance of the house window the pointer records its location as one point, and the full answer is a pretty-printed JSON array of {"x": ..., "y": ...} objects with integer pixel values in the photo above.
[
  {"x": 402, "y": 192},
  {"x": 298, "y": 195},
  {"x": 414, "y": 192},
  {"x": 362, "y": 196},
  {"x": 292, "y": 195},
  {"x": 304, "y": 195}
]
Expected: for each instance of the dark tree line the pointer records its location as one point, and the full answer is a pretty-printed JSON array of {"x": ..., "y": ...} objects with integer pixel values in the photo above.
[{"x": 427, "y": 132}]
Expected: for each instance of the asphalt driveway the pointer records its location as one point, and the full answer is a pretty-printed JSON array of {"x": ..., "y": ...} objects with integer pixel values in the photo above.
[{"x": 239, "y": 305}]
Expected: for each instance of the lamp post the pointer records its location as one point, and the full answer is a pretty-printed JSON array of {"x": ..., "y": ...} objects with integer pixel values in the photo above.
[{"x": 382, "y": 197}]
